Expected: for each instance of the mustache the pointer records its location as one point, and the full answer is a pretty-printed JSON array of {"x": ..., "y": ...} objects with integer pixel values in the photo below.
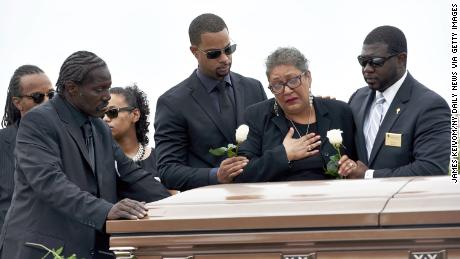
[{"x": 102, "y": 106}]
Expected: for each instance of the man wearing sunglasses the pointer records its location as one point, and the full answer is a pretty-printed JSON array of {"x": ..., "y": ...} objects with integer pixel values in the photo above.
[
  {"x": 203, "y": 112},
  {"x": 29, "y": 86},
  {"x": 70, "y": 175},
  {"x": 403, "y": 128}
]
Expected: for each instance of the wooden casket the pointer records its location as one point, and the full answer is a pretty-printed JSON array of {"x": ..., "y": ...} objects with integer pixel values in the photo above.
[{"x": 417, "y": 217}]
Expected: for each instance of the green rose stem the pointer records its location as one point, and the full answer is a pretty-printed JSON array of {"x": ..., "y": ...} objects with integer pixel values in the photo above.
[
  {"x": 337, "y": 147},
  {"x": 55, "y": 253}
]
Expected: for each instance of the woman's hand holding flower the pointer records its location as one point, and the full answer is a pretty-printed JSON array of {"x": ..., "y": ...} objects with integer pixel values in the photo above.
[{"x": 351, "y": 169}]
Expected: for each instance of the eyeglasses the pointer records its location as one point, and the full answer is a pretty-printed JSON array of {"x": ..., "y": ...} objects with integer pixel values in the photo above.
[
  {"x": 215, "y": 53},
  {"x": 38, "y": 97},
  {"x": 113, "y": 112},
  {"x": 292, "y": 83},
  {"x": 374, "y": 61}
]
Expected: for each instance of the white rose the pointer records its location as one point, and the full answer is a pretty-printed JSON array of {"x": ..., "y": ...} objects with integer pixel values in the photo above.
[
  {"x": 241, "y": 133},
  {"x": 230, "y": 146},
  {"x": 335, "y": 136}
]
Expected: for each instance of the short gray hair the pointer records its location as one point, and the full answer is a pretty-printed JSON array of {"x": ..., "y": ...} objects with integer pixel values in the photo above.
[{"x": 286, "y": 56}]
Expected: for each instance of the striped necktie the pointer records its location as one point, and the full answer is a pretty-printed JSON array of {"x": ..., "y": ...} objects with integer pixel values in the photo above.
[{"x": 375, "y": 119}]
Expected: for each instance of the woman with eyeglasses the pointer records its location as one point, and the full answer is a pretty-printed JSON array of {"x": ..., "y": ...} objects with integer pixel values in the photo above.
[
  {"x": 287, "y": 134},
  {"x": 29, "y": 87},
  {"x": 127, "y": 117}
]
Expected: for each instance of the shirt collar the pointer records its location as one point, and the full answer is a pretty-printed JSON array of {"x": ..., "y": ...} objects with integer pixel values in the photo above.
[
  {"x": 78, "y": 116},
  {"x": 391, "y": 91},
  {"x": 211, "y": 83}
]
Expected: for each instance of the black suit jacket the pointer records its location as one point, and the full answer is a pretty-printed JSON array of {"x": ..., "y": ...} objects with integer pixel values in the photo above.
[
  {"x": 267, "y": 130},
  {"x": 56, "y": 201},
  {"x": 187, "y": 125},
  {"x": 421, "y": 117},
  {"x": 7, "y": 143}
]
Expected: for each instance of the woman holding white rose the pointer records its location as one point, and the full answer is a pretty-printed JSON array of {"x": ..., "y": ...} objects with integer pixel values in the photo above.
[{"x": 287, "y": 134}]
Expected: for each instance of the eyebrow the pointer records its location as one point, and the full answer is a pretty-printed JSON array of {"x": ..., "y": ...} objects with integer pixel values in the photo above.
[
  {"x": 218, "y": 48},
  {"x": 103, "y": 83}
]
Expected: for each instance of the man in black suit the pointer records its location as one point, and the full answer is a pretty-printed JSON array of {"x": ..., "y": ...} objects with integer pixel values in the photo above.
[
  {"x": 203, "y": 112},
  {"x": 68, "y": 170},
  {"x": 29, "y": 86},
  {"x": 403, "y": 128}
]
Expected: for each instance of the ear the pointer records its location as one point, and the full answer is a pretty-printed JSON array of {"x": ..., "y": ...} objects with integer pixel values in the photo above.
[
  {"x": 308, "y": 76},
  {"x": 72, "y": 88},
  {"x": 402, "y": 59},
  {"x": 17, "y": 103},
  {"x": 194, "y": 51},
  {"x": 136, "y": 113}
]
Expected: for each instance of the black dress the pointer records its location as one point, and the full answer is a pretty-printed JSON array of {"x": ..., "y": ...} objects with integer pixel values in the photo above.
[{"x": 309, "y": 168}]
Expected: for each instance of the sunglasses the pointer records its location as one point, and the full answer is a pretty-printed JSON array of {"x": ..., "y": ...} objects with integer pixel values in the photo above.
[
  {"x": 215, "y": 53},
  {"x": 374, "y": 61},
  {"x": 113, "y": 112},
  {"x": 38, "y": 97}
]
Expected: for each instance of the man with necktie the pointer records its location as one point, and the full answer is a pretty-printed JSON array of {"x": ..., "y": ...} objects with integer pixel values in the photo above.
[
  {"x": 203, "y": 112},
  {"x": 70, "y": 171},
  {"x": 403, "y": 128}
]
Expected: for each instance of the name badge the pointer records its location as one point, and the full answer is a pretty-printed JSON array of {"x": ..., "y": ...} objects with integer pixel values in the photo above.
[{"x": 393, "y": 139}]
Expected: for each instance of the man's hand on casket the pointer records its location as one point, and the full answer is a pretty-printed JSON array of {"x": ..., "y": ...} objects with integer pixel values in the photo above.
[{"x": 127, "y": 209}]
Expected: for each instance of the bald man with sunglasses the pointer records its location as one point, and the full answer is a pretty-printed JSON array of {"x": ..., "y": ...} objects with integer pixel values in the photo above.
[
  {"x": 29, "y": 86},
  {"x": 403, "y": 128},
  {"x": 203, "y": 112}
]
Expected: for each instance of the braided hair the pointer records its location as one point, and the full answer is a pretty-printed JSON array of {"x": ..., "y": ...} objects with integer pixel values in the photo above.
[
  {"x": 138, "y": 99},
  {"x": 12, "y": 114},
  {"x": 76, "y": 67}
]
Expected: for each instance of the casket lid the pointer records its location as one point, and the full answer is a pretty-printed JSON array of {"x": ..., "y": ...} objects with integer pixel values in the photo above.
[{"x": 334, "y": 204}]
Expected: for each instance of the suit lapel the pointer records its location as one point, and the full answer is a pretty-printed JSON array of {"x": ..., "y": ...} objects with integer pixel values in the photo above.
[
  {"x": 99, "y": 151},
  {"x": 279, "y": 119},
  {"x": 77, "y": 135},
  {"x": 70, "y": 125},
  {"x": 203, "y": 99},
  {"x": 322, "y": 121},
  {"x": 239, "y": 100},
  {"x": 280, "y": 123},
  {"x": 361, "y": 145},
  {"x": 399, "y": 102}
]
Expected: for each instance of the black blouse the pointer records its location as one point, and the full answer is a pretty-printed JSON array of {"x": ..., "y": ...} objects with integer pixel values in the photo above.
[
  {"x": 149, "y": 164},
  {"x": 311, "y": 168}
]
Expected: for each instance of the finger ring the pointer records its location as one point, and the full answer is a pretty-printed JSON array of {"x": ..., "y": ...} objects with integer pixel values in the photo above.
[{"x": 351, "y": 164}]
